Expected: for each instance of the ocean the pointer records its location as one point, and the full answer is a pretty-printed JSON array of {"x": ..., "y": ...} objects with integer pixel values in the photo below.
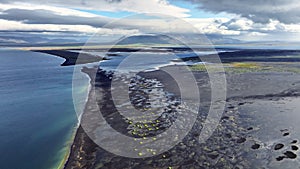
[{"x": 36, "y": 108}]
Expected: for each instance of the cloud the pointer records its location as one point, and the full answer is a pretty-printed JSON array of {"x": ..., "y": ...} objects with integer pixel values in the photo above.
[
  {"x": 56, "y": 21},
  {"x": 136, "y": 6},
  {"x": 41, "y": 16},
  {"x": 84, "y": 29},
  {"x": 212, "y": 26},
  {"x": 253, "y": 31},
  {"x": 44, "y": 18},
  {"x": 261, "y": 11},
  {"x": 247, "y": 26},
  {"x": 238, "y": 24},
  {"x": 57, "y": 10}
]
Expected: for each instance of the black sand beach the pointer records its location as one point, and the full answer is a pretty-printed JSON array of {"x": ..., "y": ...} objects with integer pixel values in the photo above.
[
  {"x": 71, "y": 58},
  {"x": 258, "y": 128}
]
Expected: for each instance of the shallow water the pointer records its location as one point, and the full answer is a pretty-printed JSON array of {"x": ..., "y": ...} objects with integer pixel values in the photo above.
[{"x": 144, "y": 61}]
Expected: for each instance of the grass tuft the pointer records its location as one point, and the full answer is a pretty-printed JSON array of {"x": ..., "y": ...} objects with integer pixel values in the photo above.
[{"x": 248, "y": 65}]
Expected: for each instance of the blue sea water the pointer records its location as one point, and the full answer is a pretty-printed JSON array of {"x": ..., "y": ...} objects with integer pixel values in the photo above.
[{"x": 37, "y": 116}]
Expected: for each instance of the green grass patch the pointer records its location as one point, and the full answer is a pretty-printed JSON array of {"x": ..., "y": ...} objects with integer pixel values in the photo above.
[
  {"x": 200, "y": 67},
  {"x": 248, "y": 65}
]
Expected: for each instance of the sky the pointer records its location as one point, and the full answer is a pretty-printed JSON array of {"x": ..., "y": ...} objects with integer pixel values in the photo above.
[{"x": 43, "y": 21}]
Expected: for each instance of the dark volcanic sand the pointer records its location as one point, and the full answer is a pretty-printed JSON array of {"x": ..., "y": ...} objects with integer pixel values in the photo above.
[
  {"x": 261, "y": 113},
  {"x": 71, "y": 58}
]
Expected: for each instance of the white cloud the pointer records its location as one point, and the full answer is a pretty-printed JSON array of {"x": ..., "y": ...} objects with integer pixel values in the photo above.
[
  {"x": 57, "y": 10},
  {"x": 262, "y": 11},
  {"x": 18, "y": 26},
  {"x": 46, "y": 17},
  {"x": 212, "y": 26},
  {"x": 136, "y": 6},
  {"x": 33, "y": 17}
]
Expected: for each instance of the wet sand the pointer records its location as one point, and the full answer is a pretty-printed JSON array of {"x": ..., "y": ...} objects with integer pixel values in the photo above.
[{"x": 258, "y": 128}]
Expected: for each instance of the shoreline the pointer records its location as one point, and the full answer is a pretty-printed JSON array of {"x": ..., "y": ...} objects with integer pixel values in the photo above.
[
  {"x": 81, "y": 139},
  {"x": 84, "y": 148},
  {"x": 69, "y": 147},
  {"x": 238, "y": 92},
  {"x": 76, "y": 129},
  {"x": 69, "y": 151},
  {"x": 77, "y": 139},
  {"x": 72, "y": 58}
]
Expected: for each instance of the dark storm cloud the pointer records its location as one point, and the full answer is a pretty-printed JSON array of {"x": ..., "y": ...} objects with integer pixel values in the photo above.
[{"x": 261, "y": 11}]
